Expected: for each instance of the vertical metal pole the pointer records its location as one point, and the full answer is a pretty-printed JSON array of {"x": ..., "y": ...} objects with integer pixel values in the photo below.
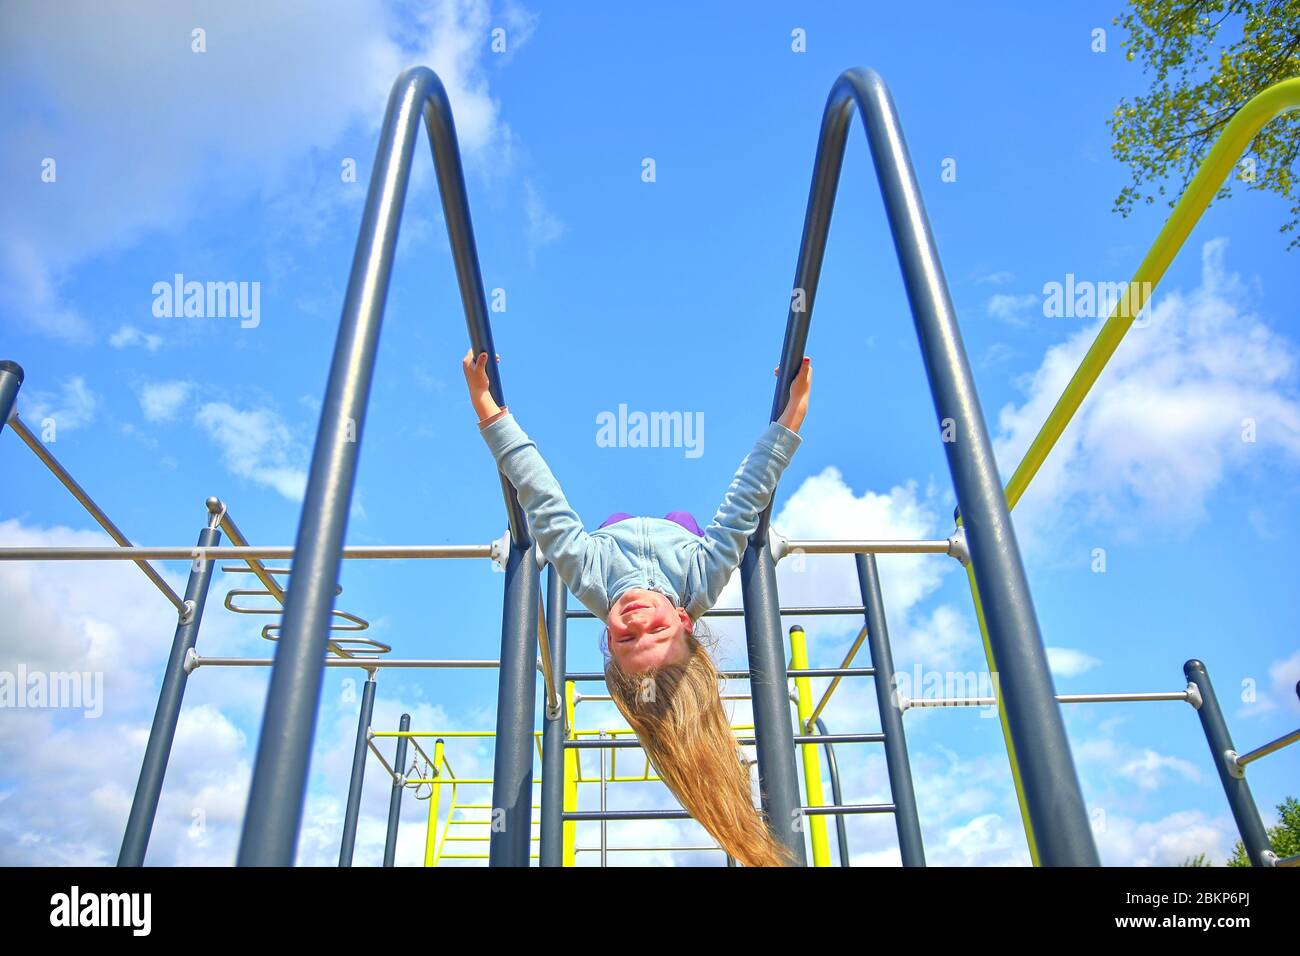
[
  {"x": 358, "y": 772},
  {"x": 833, "y": 768},
  {"x": 158, "y": 750},
  {"x": 280, "y": 771},
  {"x": 395, "y": 801},
  {"x": 604, "y": 790},
  {"x": 770, "y": 692},
  {"x": 1051, "y": 784},
  {"x": 891, "y": 718},
  {"x": 512, "y": 776},
  {"x": 553, "y": 730},
  {"x": 1244, "y": 809},
  {"x": 11, "y": 379}
]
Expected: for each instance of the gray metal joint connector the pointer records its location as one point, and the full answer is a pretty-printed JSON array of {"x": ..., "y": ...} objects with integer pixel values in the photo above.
[
  {"x": 1194, "y": 696},
  {"x": 216, "y": 512}
]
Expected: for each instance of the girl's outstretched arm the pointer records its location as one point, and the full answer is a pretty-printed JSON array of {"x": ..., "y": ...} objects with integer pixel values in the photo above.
[
  {"x": 553, "y": 523},
  {"x": 727, "y": 535}
]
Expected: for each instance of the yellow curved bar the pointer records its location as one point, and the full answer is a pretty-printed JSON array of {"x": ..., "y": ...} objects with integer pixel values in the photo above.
[
  {"x": 1232, "y": 142},
  {"x": 812, "y": 768}
]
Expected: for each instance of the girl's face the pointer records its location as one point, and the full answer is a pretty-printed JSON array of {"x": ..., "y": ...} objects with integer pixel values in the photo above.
[{"x": 646, "y": 630}]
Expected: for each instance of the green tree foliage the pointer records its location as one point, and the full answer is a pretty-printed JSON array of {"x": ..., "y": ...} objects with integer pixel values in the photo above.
[
  {"x": 1199, "y": 860},
  {"x": 1201, "y": 76},
  {"x": 1285, "y": 837}
]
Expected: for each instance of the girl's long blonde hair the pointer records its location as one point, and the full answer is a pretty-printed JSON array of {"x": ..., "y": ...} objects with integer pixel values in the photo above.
[{"x": 676, "y": 712}]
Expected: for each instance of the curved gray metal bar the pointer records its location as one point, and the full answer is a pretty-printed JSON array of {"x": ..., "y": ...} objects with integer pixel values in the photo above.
[
  {"x": 837, "y": 795},
  {"x": 271, "y": 824},
  {"x": 1051, "y": 783}
]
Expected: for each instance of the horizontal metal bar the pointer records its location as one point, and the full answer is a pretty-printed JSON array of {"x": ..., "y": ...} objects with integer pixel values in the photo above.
[
  {"x": 941, "y": 546},
  {"x": 583, "y": 698},
  {"x": 1288, "y": 861},
  {"x": 370, "y": 663},
  {"x": 817, "y": 611},
  {"x": 359, "y": 552},
  {"x": 453, "y": 781},
  {"x": 581, "y": 816},
  {"x": 588, "y": 815},
  {"x": 876, "y": 738},
  {"x": 1121, "y": 698},
  {"x": 849, "y": 808},
  {"x": 908, "y": 702},
  {"x": 96, "y": 512},
  {"x": 743, "y": 741},
  {"x": 592, "y": 676},
  {"x": 439, "y": 733},
  {"x": 645, "y": 849},
  {"x": 1284, "y": 741}
]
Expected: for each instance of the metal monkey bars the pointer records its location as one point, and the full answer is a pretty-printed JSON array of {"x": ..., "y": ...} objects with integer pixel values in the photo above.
[{"x": 1046, "y": 781}]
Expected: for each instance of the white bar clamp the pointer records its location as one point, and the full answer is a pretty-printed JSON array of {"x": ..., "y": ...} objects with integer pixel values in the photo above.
[
  {"x": 957, "y": 546},
  {"x": 778, "y": 544},
  {"x": 501, "y": 551}
]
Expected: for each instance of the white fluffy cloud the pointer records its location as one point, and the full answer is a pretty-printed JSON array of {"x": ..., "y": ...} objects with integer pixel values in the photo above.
[
  {"x": 162, "y": 401},
  {"x": 140, "y": 127},
  {"x": 129, "y": 335},
  {"x": 1069, "y": 662},
  {"x": 69, "y": 778},
  {"x": 74, "y": 767},
  {"x": 1279, "y": 691},
  {"x": 1167, "y": 841},
  {"x": 1013, "y": 309},
  {"x": 73, "y": 406},
  {"x": 257, "y": 444},
  {"x": 543, "y": 227}
]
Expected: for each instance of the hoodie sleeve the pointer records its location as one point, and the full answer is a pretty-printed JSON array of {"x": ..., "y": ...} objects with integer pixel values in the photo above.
[
  {"x": 552, "y": 522},
  {"x": 727, "y": 535}
]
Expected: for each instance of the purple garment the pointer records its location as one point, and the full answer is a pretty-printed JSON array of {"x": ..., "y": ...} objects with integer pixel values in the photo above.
[{"x": 683, "y": 518}]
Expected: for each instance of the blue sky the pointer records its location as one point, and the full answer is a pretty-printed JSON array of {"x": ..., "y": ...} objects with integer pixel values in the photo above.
[{"x": 226, "y": 165}]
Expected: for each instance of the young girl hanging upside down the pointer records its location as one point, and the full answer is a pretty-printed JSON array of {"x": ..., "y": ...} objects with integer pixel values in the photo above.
[{"x": 649, "y": 580}]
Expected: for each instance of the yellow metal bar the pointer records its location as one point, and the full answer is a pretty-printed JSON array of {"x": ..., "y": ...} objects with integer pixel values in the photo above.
[
  {"x": 1214, "y": 169},
  {"x": 1232, "y": 142},
  {"x": 572, "y": 772},
  {"x": 848, "y": 660},
  {"x": 812, "y": 768},
  {"x": 435, "y": 798}
]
